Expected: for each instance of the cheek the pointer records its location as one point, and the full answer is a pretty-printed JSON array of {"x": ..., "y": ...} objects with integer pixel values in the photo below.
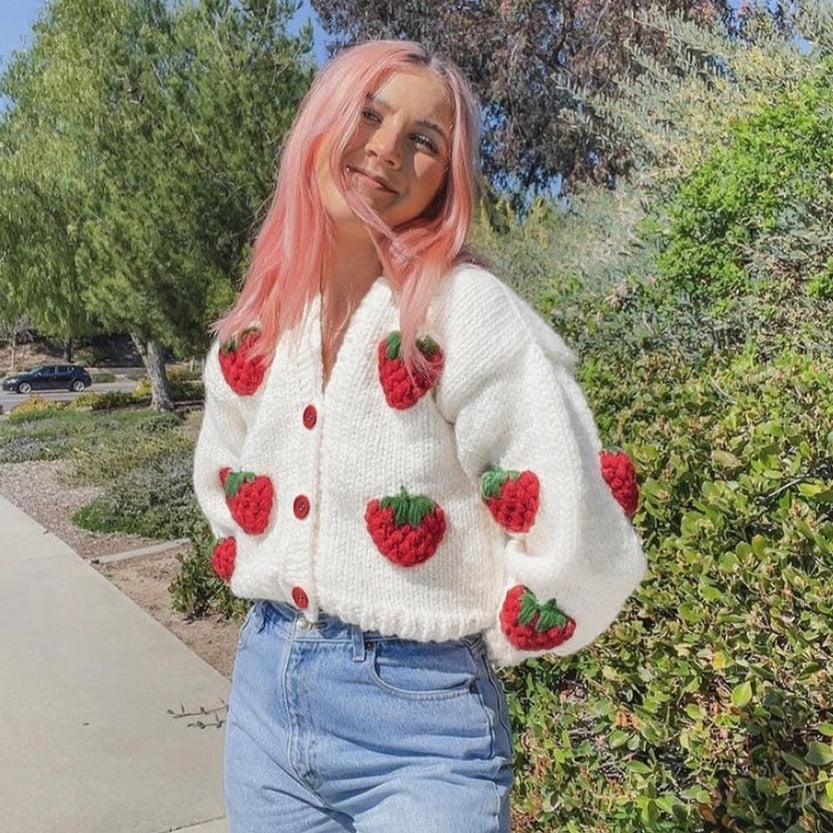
[{"x": 431, "y": 178}]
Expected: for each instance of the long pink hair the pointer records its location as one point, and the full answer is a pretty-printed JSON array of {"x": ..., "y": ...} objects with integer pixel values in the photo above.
[{"x": 296, "y": 237}]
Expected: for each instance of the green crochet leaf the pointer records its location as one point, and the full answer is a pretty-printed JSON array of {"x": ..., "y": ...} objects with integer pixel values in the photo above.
[
  {"x": 394, "y": 341},
  {"x": 427, "y": 345},
  {"x": 407, "y": 508},
  {"x": 529, "y": 607},
  {"x": 235, "y": 479},
  {"x": 492, "y": 480},
  {"x": 551, "y": 617}
]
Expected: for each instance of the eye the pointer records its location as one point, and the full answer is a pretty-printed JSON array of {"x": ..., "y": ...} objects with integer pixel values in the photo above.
[
  {"x": 369, "y": 114},
  {"x": 424, "y": 142}
]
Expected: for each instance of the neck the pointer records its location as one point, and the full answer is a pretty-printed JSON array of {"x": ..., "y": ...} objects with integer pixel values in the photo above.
[{"x": 350, "y": 270}]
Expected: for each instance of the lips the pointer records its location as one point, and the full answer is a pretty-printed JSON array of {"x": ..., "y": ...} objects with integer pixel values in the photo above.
[{"x": 377, "y": 180}]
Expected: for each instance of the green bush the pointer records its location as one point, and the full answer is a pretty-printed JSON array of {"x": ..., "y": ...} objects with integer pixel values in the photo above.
[
  {"x": 181, "y": 386},
  {"x": 197, "y": 589},
  {"x": 34, "y": 407},
  {"x": 707, "y": 706},
  {"x": 155, "y": 500},
  {"x": 100, "y": 377},
  {"x": 748, "y": 236}
]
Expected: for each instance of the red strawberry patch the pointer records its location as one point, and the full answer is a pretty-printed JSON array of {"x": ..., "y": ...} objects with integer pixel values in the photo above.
[
  {"x": 222, "y": 559},
  {"x": 400, "y": 388},
  {"x": 249, "y": 497},
  {"x": 620, "y": 474},
  {"x": 513, "y": 497},
  {"x": 532, "y": 626},
  {"x": 406, "y": 528},
  {"x": 243, "y": 374}
]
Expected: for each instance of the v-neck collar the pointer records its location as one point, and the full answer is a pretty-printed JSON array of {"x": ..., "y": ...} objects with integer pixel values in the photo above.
[{"x": 372, "y": 304}]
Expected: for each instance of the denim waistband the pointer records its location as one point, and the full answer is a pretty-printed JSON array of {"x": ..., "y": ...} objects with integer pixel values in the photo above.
[{"x": 290, "y": 620}]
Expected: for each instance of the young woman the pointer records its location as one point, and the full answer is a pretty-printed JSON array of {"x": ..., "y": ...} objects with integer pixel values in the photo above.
[{"x": 400, "y": 470}]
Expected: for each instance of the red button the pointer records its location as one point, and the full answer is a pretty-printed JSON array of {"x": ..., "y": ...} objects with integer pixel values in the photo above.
[
  {"x": 300, "y": 597},
  {"x": 301, "y": 506},
  {"x": 310, "y": 416}
]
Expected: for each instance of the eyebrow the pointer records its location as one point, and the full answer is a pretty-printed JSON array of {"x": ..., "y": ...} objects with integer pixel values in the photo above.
[{"x": 424, "y": 123}]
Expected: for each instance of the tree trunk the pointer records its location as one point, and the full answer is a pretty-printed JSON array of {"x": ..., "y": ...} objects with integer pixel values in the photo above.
[
  {"x": 14, "y": 351},
  {"x": 67, "y": 356},
  {"x": 153, "y": 357}
]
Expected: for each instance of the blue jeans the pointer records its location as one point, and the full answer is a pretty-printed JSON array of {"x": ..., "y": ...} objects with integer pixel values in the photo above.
[{"x": 333, "y": 729}]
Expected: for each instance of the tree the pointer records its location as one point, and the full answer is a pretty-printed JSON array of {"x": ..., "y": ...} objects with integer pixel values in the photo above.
[
  {"x": 174, "y": 114},
  {"x": 534, "y": 66}
]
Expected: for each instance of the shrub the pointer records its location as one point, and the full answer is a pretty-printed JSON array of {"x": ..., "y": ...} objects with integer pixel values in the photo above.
[
  {"x": 707, "y": 706},
  {"x": 197, "y": 589},
  {"x": 747, "y": 236},
  {"x": 100, "y": 377},
  {"x": 34, "y": 407},
  {"x": 155, "y": 500},
  {"x": 180, "y": 385}
]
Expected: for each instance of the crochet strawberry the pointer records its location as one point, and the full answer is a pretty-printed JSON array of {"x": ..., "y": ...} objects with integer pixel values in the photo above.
[
  {"x": 532, "y": 626},
  {"x": 242, "y": 373},
  {"x": 620, "y": 474},
  {"x": 222, "y": 558},
  {"x": 406, "y": 528},
  {"x": 512, "y": 497},
  {"x": 400, "y": 388},
  {"x": 249, "y": 497}
]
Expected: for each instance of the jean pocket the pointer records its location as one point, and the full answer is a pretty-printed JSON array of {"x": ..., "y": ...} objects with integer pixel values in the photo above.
[
  {"x": 251, "y": 624},
  {"x": 422, "y": 670}
]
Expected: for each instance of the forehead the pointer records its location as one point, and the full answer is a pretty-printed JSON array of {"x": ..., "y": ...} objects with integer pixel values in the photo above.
[{"x": 417, "y": 93}]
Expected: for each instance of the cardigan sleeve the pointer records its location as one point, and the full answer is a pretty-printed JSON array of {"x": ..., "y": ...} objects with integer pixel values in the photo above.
[
  {"x": 218, "y": 446},
  {"x": 526, "y": 438}
]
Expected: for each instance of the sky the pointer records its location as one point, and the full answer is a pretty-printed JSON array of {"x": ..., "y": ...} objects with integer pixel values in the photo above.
[{"x": 17, "y": 17}]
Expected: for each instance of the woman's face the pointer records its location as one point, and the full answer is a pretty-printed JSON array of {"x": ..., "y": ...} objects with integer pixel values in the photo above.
[{"x": 397, "y": 158}]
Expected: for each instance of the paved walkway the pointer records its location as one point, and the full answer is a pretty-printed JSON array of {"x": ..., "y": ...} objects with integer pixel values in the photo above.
[{"x": 86, "y": 680}]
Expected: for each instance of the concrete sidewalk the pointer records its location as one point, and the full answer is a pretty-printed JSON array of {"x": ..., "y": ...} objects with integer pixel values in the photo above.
[{"x": 86, "y": 680}]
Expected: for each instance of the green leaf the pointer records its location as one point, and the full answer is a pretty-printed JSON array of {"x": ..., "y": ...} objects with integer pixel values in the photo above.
[
  {"x": 394, "y": 344},
  {"x": 725, "y": 459},
  {"x": 529, "y": 607},
  {"x": 742, "y": 694},
  {"x": 550, "y": 617},
  {"x": 650, "y": 813},
  {"x": 492, "y": 480},
  {"x": 408, "y": 509},
  {"x": 690, "y": 612},
  {"x": 819, "y": 754},
  {"x": 235, "y": 479},
  {"x": 618, "y": 738},
  {"x": 794, "y": 761}
]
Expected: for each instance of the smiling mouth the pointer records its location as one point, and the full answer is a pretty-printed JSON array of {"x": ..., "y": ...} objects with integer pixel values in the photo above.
[{"x": 376, "y": 180}]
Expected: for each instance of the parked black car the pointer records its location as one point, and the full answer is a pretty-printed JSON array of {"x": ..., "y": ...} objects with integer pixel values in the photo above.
[{"x": 69, "y": 376}]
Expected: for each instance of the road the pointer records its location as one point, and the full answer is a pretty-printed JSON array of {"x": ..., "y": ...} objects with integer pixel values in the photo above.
[{"x": 8, "y": 399}]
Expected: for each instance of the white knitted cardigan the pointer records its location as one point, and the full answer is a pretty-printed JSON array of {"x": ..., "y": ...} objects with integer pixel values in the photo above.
[{"x": 321, "y": 456}]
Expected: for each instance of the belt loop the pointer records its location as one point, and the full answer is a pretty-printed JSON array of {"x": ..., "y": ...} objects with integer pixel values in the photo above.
[{"x": 358, "y": 643}]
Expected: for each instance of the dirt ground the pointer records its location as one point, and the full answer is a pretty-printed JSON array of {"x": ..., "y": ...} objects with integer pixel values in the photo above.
[{"x": 38, "y": 489}]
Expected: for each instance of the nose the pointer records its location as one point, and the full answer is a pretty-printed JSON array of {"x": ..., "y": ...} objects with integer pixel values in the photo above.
[{"x": 383, "y": 143}]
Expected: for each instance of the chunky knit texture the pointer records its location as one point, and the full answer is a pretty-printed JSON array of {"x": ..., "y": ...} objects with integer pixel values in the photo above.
[
  {"x": 242, "y": 372},
  {"x": 504, "y": 398},
  {"x": 400, "y": 388},
  {"x": 619, "y": 473},
  {"x": 222, "y": 558},
  {"x": 532, "y": 626}
]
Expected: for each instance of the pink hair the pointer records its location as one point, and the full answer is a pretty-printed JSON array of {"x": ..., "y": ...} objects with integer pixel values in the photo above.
[{"x": 291, "y": 248}]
